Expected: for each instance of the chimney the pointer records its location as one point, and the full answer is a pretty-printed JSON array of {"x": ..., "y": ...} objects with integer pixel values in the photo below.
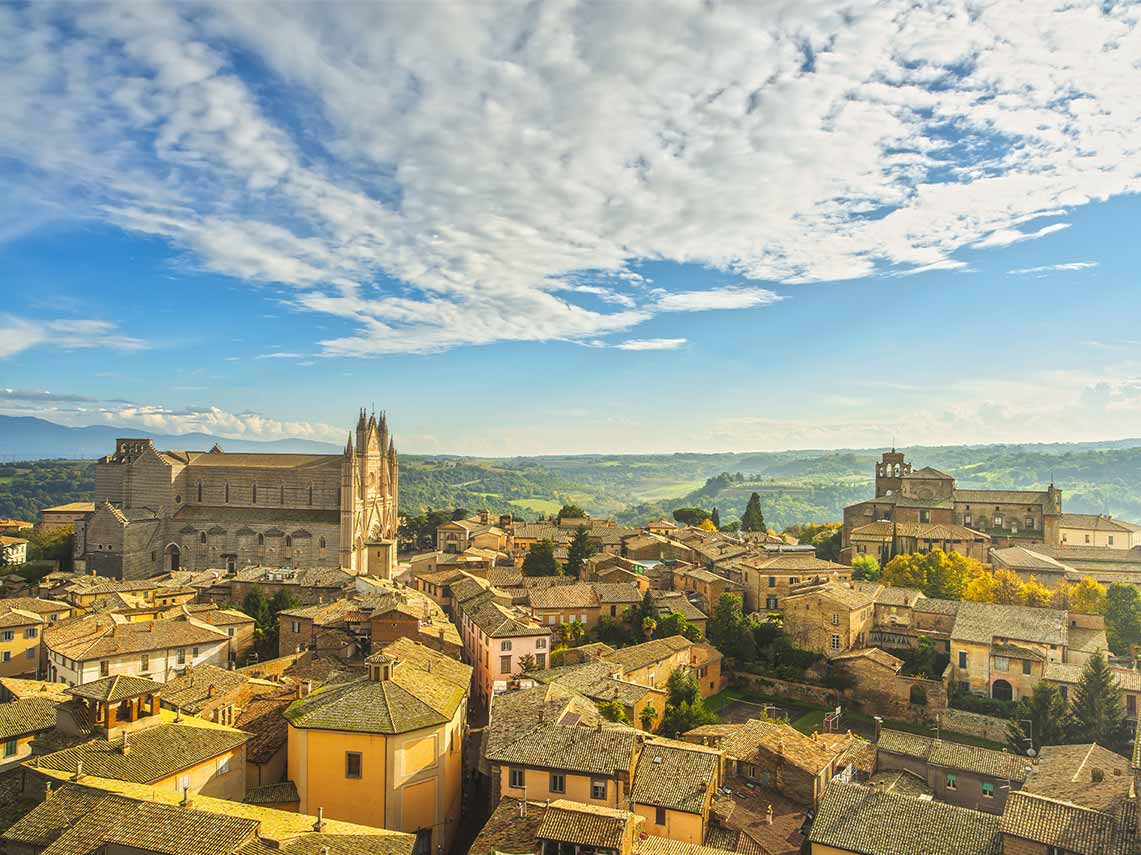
[
  {"x": 308, "y": 687},
  {"x": 769, "y": 816},
  {"x": 186, "y": 802},
  {"x": 177, "y": 714},
  {"x": 124, "y": 746},
  {"x": 78, "y": 770},
  {"x": 211, "y": 690},
  {"x": 879, "y": 725},
  {"x": 48, "y": 792},
  {"x": 319, "y": 825}
]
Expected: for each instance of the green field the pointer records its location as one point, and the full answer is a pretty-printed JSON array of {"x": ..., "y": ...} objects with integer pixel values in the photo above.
[{"x": 538, "y": 506}]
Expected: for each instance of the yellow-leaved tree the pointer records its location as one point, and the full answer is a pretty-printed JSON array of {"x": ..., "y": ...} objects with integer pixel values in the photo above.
[
  {"x": 980, "y": 588},
  {"x": 1007, "y": 587},
  {"x": 1035, "y": 594},
  {"x": 1062, "y": 597},
  {"x": 707, "y": 525},
  {"x": 1089, "y": 597}
]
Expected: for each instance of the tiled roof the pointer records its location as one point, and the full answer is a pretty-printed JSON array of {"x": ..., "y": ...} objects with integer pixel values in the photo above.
[
  {"x": 1087, "y": 640},
  {"x": 116, "y": 688},
  {"x": 928, "y": 472},
  {"x": 312, "y": 577},
  {"x": 510, "y": 828},
  {"x": 514, "y": 715},
  {"x": 154, "y": 753},
  {"x": 496, "y": 620},
  {"x": 954, "y": 755},
  {"x": 71, "y": 507},
  {"x": 262, "y": 718},
  {"x": 17, "y": 687},
  {"x": 596, "y": 680},
  {"x": 875, "y": 654},
  {"x": 18, "y": 617},
  {"x": 1068, "y": 826},
  {"x": 77, "y": 821},
  {"x": 675, "y": 775},
  {"x": 901, "y": 781},
  {"x": 854, "y": 818},
  {"x": 589, "y": 750},
  {"x": 272, "y": 794},
  {"x": 923, "y": 531},
  {"x": 1022, "y": 558},
  {"x": 324, "y": 843},
  {"x": 981, "y": 623},
  {"x": 27, "y": 715},
  {"x": 429, "y": 660},
  {"x": 648, "y": 652},
  {"x": 890, "y": 595},
  {"x": 582, "y": 824},
  {"x": 565, "y": 597},
  {"x": 675, "y": 601},
  {"x": 930, "y": 605},
  {"x": 782, "y": 739},
  {"x": 1096, "y": 522},
  {"x": 195, "y": 689},
  {"x": 617, "y": 592},
  {"x": 851, "y": 595},
  {"x": 412, "y": 698},
  {"x": 1088, "y": 775},
  {"x": 38, "y": 605},
  {"x": 1028, "y": 498},
  {"x": 99, "y": 637}
]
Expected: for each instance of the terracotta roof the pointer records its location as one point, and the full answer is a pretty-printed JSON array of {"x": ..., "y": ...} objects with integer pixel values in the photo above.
[
  {"x": 1070, "y": 827},
  {"x": 511, "y": 827},
  {"x": 617, "y": 592},
  {"x": 1096, "y": 522},
  {"x": 851, "y": 595},
  {"x": 922, "y": 531},
  {"x": 38, "y": 605},
  {"x": 1022, "y": 558},
  {"x": 675, "y": 775},
  {"x": 588, "y": 750},
  {"x": 19, "y": 617},
  {"x": 116, "y": 688},
  {"x": 27, "y": 715},
  {"x": 262, "y": 718},
  {"x": 981, "y": 623},
  {"x": 758, "y": 735},
  {"x": 17, "y": 687},
  {"x": 875, "y": 654},
  {"x": 272, "y": 794},
  {"x": 100, "y": 637},
  {"x": 514, "y": 715},
  {"x": 954, "y": 755},
  {"x": 1088, "y": 775},
  {"x": 580, "y": 596},
  {"x": 582, "y": 824},
  {"x": 199, "y": 686},
  {"x": 155, "y": 752},
  {"x": 854, "y": 818},
  {"x": 71, "y": 507},
  {"x": 648, "y": 652}
]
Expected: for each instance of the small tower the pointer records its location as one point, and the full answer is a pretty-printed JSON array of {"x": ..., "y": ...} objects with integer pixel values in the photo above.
[{"x": 889, "y": 473}]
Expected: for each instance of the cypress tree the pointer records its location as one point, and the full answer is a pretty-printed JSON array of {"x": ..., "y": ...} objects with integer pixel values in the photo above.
[
  {"x": 1098, "y": 710},
  {"x": 754, "y": 518}
]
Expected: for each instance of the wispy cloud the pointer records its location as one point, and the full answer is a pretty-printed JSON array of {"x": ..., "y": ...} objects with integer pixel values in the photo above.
[
  {"x": 41, "y": 396},
  {"x": 714, "y": 298},
  {"x": 18, "y": 334},
  {"x": 435, "y": 177},
  {"x": 651, "y": 344},
  {"x": 1052, "y": 268}
]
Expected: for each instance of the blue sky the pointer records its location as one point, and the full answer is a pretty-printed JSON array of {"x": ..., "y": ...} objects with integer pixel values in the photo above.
[{"x": 575, "y": 228}]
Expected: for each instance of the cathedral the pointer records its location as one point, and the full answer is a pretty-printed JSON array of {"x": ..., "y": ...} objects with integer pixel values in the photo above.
[{"x": 160, "y": 511}]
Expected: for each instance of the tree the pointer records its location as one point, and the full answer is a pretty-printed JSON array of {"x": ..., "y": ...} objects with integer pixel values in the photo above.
[
  {"x": 1123, "y": 618},
  {"x": 1007, "y": 587},
  {"x": 616, "y": 633},
  {"x": 580, "y": 549},
  {"x": 753, "y": 519},
  {"x": 647, "y": 716},
  {"x": 577, "y": 632},
  {"x": 572, "y": 512},
  {"x": 1098, "y": 708},
  {"x": 460, "y": 514},
  {"x": 540, "y": 560},
  {"x": 707, "y": 525},
  {"x": 649, "y": 624},
  {"x": 691, "y": 516},
  {"x": 675, "y": 623},
  {"x": 257, "y": 606},
  {"x": 716, "y": 517},
  {"x": 1035, "y": 594},
  {"x": 1089, "y": 597},
  {"x": 685, "y": 708},
  {"x": 980, "y": 588},
  {"x": 865, "y": 568},
  {"x": 1062, "y": 597},
  {"x": 528, "y": 663},
  {"x": 613, "y": 710},
  {"x": 905, "y": 571},
  {"x": 939, "y": 574},
  {"x": 53, "y": 544},
  {"x": 1041, "y": 719},
  {"x": 730, "y": 631}
]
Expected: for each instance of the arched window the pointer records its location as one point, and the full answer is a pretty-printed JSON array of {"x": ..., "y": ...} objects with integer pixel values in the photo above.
[
  {"x": 288, "y": 540},
  {"x": 261, "y": 540},
  {"x": 199, "y": 491},
  {"x": 321, "y": 543},
  {"x": 310, "y": 494},
  {"x": 255, "y": 493},
  {"x": 227, "y": 494},
  {"x": 281, "y": 495},
  {"x": 202, "y": 537}
]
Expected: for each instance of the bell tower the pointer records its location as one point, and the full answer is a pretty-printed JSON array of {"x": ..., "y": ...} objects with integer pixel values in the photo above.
[
  {"x": 368, "y": 499},
  {"x": 889, "y": 473}
]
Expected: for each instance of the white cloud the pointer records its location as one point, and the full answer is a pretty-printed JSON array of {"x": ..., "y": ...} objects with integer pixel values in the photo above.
[
  {"x": 19, "y": 334},
  {"x": 214, "y": 420},
  {"x": 1052, "y": 268},
  {"x": 436, "y": 175},
  {"x": 714, "y": 298},
  {"x": 650, "y": 344}
]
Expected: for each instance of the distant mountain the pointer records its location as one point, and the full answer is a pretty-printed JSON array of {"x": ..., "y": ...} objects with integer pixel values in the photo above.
[{"x": 30, "y": 438}]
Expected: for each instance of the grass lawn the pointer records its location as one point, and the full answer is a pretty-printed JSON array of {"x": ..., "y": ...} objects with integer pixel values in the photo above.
[
  {"x": 671, "y": 490},
  {"x": 539, "y": 506}
]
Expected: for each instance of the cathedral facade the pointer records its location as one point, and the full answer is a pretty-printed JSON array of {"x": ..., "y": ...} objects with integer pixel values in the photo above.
[{"x": 160, "y": 511}]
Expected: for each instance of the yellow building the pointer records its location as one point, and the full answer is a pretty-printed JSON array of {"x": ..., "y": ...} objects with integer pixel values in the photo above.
[
  {"x": 21, "y": 721},
  {"x": 20, "y": 633},
  {"x": 1098, "y": 530},
  {"x": 385, "y": 750},
  {"x": 673, "y": 789}
]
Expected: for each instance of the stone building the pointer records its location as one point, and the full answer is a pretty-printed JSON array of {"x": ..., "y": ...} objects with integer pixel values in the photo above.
[
  {"x": 164, "y": 511},
  {"x": 933, "y": 511}
]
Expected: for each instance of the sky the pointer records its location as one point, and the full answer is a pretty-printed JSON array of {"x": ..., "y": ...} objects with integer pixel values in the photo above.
[{"x": 571, "y": 227}]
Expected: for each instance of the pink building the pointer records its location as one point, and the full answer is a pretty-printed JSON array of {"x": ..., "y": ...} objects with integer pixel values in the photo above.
[{"x": 496, "y": 638}]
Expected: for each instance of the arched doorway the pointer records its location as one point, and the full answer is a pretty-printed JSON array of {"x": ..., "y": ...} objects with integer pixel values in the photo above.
[
  {"x": 1002, "y": 691},
  {"x": 173, "y": 558}
]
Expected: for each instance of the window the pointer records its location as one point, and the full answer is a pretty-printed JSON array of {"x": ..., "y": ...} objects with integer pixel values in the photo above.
[
  {"x": 423, "y": 844},
  {"x": 988, "y": 791},
  {"x": 966, "y": 519},
  {"x": 227, "y": 494},
  {"x": 352, "y": 764},
  {"x": 1025, "y": 666},
  {"x": 295, "y": 626},
  {"x": 505, "y": 664},
  {"x": 1087, "y": 538},
  {"x": 104, "y": 667},
  {"x": 541, "y": 661},
  {"x": 7, "y": 635},
  {"x": 598, "y": 790},
  {"x": 1001, "y": 663},
  {"x": 181, "y": 656},
  {"x": 321, "y": 543},
  {"x": 835, "y": 643},
  {"x": 261, "y": 540},
  {"x": 194, "y": 652},
  {"x": 659, "y": 816},
  {"x": 962, "y": 659},
  {"x": 1131, "y": 705},
  {"x": 770, "y": 602},
  {"x": 558, "y": 782},
  {"x": 223, "y": 765},
  {"x": 772, "y": 581},
  {"x": 1030, "y": 522},
  {"x": 30, "y": 653},
  {"x": 925, "y": 516},
  {"x": 145, "y": 662},
  {"x": 998, "y": 520},
  {"x": 10, "y": 748},
  {"x": 254, "y": 493},
  {"x": 614, "y": 611},
  {"x": 835, "y": 619},
  {"x": 7, "y": 656},
  {"x": 541, "y": 644},
  {"x": 311, "y": 498},
  {"x": 515, "y": 779},
  {"x": 289, "y": 540},
  {"x": 1111, "y": 540},
  {"x": 505, "y": 645},
  {"x": 281, "y": 495},
  {"x": 230, "y": 632},
  {"x": 951, "y": 785},
  {"x": 202, "y": 537},
  {"x": 199, "y": 491}
]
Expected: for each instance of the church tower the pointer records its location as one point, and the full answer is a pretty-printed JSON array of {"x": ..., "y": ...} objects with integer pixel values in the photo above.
[
  {"x": 889, "y": 473},
  {"x": 368, "y": 499}
]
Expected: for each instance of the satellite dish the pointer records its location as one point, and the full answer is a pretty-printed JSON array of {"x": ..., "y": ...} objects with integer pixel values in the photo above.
[{"x": 1030, "y": 752}]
